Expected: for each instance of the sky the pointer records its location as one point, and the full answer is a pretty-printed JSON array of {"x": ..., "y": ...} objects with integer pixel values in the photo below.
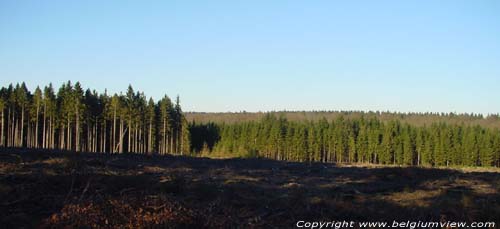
[{"x": 219, "y": 56}]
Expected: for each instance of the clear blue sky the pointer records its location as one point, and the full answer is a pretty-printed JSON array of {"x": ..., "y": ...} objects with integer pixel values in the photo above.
[{"x": 440, "y": 56}]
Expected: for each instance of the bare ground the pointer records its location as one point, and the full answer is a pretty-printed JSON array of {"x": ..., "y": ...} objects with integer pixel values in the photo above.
[{"x": 65, "y": 189}]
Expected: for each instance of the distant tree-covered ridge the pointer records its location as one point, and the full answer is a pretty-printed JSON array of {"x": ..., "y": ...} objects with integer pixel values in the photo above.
[
  {"x": 84, "y": 120},
  {"x": 412, "y": 118},
  {"x": 354, "y": 140}
]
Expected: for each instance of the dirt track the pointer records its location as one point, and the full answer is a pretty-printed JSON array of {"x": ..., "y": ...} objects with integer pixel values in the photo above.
[{"x": 65, "y": 189}]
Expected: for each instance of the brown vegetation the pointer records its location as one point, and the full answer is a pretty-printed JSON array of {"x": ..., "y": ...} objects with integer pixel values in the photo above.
[{"x": 66, "y": 189}]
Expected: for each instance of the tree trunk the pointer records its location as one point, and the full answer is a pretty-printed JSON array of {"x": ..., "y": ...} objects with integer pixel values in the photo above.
[
  {"x": 121, "y": 137},
  {"x": 181, "y": 146},
  {"x": 95, "y": 136},
  {"x": 29, "y": 136},
  {"x": 177, "y": 142},
  {"x": 129, "y": 130},
  {"x": 61, "y": 139},
  {"x": 52, "y": 134},
  {"x": 9, "y": 127},
  {"x": 1, "y": 134},
  {"x": 113, "y": 138},
  {"x": 21, "y": 143},
  {"x": 36, "y": 127},
  {"x": 77, "y": 131},
  {"x": 134, "y": 140},
  {"x": 172, "y": 143},
  {"x": 49, "y": 142},
  {"x": 68, "y": 135},
  {"x": 137, "y": 138},
  {"x": 16, "y": 133},
  {"x": 13, "y": 128},
  {"x": 88, "y": 145},
  {"x": 139, "y": 145},
  {"x": 149, "y": 136},
  {"x": 44, "y": 135},
  {"x": 165, "y": 137},
  {"x": 104, "y": 137}
]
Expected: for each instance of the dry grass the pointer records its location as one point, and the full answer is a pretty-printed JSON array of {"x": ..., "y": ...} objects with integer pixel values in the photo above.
[
  {"x": 56, "y": 161},
  {"x": 50, "y": 189},
  {"x": 418, "y": 198}
]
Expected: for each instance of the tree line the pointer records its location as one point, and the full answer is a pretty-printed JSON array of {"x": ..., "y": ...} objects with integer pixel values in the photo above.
[
  {"x": 84, "y": 120},
  {"x": 412, "y": 118},
  {"x": 354, "y": 140}
]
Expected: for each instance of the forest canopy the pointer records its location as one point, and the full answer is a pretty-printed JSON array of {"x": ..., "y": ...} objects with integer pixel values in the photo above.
[
  {"x": 412, "y": 118},
  {"x": 84, "y": 120},
  {"x": 75, "y": 119},
  {"x": 353, "y": 140}
]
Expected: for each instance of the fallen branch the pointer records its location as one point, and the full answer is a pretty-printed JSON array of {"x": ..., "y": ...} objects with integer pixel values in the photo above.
[
  {"x": 85, "y": 189},
  {"x": 71, "y": 188},
  {"x": 126, "y": 190}
]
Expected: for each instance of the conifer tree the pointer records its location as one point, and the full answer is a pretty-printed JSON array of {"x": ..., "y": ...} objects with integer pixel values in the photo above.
[{"x": 84, "y": 120}]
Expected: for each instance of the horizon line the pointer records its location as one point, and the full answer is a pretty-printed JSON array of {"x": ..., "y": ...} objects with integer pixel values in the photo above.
[{"x": 485, "y": 115}]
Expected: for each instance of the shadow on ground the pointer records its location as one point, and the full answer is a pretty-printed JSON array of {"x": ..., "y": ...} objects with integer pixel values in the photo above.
[{"x": 65, "y": 189}]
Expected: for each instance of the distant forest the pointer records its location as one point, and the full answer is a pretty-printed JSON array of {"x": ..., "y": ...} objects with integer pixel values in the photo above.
[
  {"x": 84, "y": 120},
  {"x": 416, "y": 119},
  {"x": 351, "y": 137},
  {"x": 428, "y": 139},
  {"x": 75, "y": 119}
]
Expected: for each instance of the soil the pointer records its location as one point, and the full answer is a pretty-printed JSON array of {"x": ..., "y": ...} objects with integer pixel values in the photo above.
[{"x": 55, "y": 189}]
